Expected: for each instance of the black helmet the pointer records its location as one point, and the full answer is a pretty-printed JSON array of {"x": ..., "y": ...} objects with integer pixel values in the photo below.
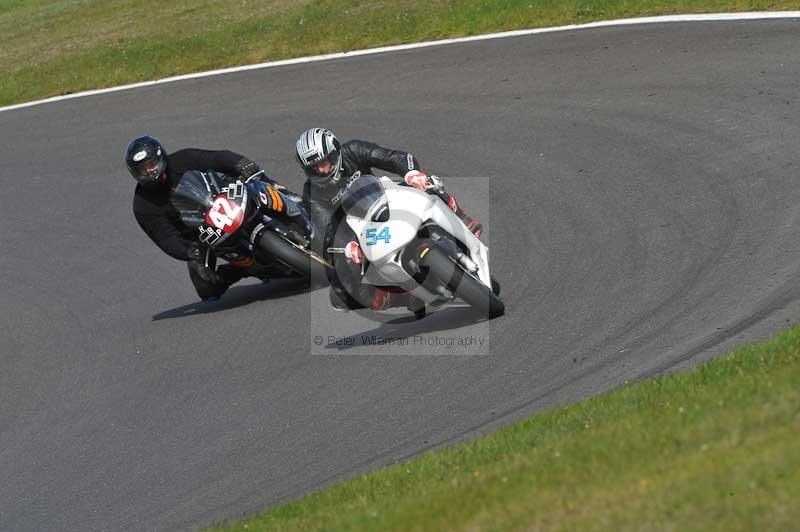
[
  {"x": 146, "y": 159},
  {"x": 319, "y": 153}
]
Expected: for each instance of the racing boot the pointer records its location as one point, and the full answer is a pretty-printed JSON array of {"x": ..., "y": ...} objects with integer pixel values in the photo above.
[
  {"x": 389, "y": 297},
  {"x": 395, "y": 297},
  {"x": 471, "y": 223},
  {"x": 206, "y": 282}
]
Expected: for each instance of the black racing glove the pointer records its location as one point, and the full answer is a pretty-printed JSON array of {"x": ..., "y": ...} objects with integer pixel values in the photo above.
[
  {"x": 196, "y": 253},
  {"x": 197, "y": 263},
  {"x": 247, "y": 169}
]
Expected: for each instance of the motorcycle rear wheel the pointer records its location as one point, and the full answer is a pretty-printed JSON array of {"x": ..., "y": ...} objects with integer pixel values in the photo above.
[{"x": 302, "y": 262}]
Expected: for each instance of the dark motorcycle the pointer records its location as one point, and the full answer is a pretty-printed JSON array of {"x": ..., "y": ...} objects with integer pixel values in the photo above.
[{"x": 233, "y": 219}]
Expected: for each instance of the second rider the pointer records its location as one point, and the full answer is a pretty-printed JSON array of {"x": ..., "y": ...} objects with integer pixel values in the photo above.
[{"x": 328, "y": 165}]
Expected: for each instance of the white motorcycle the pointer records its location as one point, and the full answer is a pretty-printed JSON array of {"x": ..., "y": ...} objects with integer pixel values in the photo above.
[{"x": 413, "y": 241}]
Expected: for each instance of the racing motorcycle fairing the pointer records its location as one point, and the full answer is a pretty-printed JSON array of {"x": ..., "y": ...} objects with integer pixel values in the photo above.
[
  {"x": 384, "y": 237},
  {"x": 211, "y": 203},
  {"x": 392, "y": 220}
]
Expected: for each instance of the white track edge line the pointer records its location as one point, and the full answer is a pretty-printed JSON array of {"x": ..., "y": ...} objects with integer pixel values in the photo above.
[{"x": 762, "y": 15}]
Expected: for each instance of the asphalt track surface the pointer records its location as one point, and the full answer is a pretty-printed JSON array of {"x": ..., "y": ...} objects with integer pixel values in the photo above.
[{"x": 643, "y": 217}]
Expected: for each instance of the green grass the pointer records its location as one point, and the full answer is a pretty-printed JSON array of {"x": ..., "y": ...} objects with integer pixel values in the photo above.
[
  {"x": 715, "y": 448},
  {"x": 53, "y": 47}
]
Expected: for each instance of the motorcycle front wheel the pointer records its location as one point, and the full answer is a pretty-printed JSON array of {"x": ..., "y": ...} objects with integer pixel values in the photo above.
[{"x": 461, "y": 283}]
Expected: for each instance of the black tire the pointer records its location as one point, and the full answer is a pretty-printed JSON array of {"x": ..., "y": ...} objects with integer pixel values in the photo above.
[
  {"x": 495, "y": 287},
  {"x": 462, "y": 284},
  {"x": 285, "y": 252}
]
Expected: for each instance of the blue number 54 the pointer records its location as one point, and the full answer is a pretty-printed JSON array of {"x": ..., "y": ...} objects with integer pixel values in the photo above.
[{"x": 373, "y": 236}]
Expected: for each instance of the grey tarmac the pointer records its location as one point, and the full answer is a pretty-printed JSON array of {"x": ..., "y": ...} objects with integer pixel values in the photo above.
[{"x": 643, "y": 216}]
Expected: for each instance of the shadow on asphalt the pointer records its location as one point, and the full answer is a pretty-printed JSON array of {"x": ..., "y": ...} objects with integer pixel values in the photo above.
[
  {"x": 407, "y": 326},
  {"x": 239, "y": 296}
]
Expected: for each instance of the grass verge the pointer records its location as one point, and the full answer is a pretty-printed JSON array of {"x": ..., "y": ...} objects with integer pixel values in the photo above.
[
  {"x": 53, "y": 47},
  {"x": 715, "y": 448}
]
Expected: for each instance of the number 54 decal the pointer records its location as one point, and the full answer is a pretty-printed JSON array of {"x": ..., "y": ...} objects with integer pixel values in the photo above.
[{"x": 373, "y": 236}]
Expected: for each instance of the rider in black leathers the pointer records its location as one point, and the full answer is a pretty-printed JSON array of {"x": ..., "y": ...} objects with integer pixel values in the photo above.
[
  {"x": 156, "y": 172},
  {"x": 329, "y": 165}
]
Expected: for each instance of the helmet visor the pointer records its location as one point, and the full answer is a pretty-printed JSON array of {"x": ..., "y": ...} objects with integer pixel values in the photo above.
[
  {"x": 148, "y": 170},
  {"x": 323, "y": 169}
]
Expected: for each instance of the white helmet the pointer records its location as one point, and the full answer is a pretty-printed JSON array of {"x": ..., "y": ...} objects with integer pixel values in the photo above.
[{"x": 319, "y": 153}]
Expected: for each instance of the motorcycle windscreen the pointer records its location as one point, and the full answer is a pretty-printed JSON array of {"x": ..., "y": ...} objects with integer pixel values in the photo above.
[
  {"x": 193, "y": 196},
  {"x": 364, "y": 197}
]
